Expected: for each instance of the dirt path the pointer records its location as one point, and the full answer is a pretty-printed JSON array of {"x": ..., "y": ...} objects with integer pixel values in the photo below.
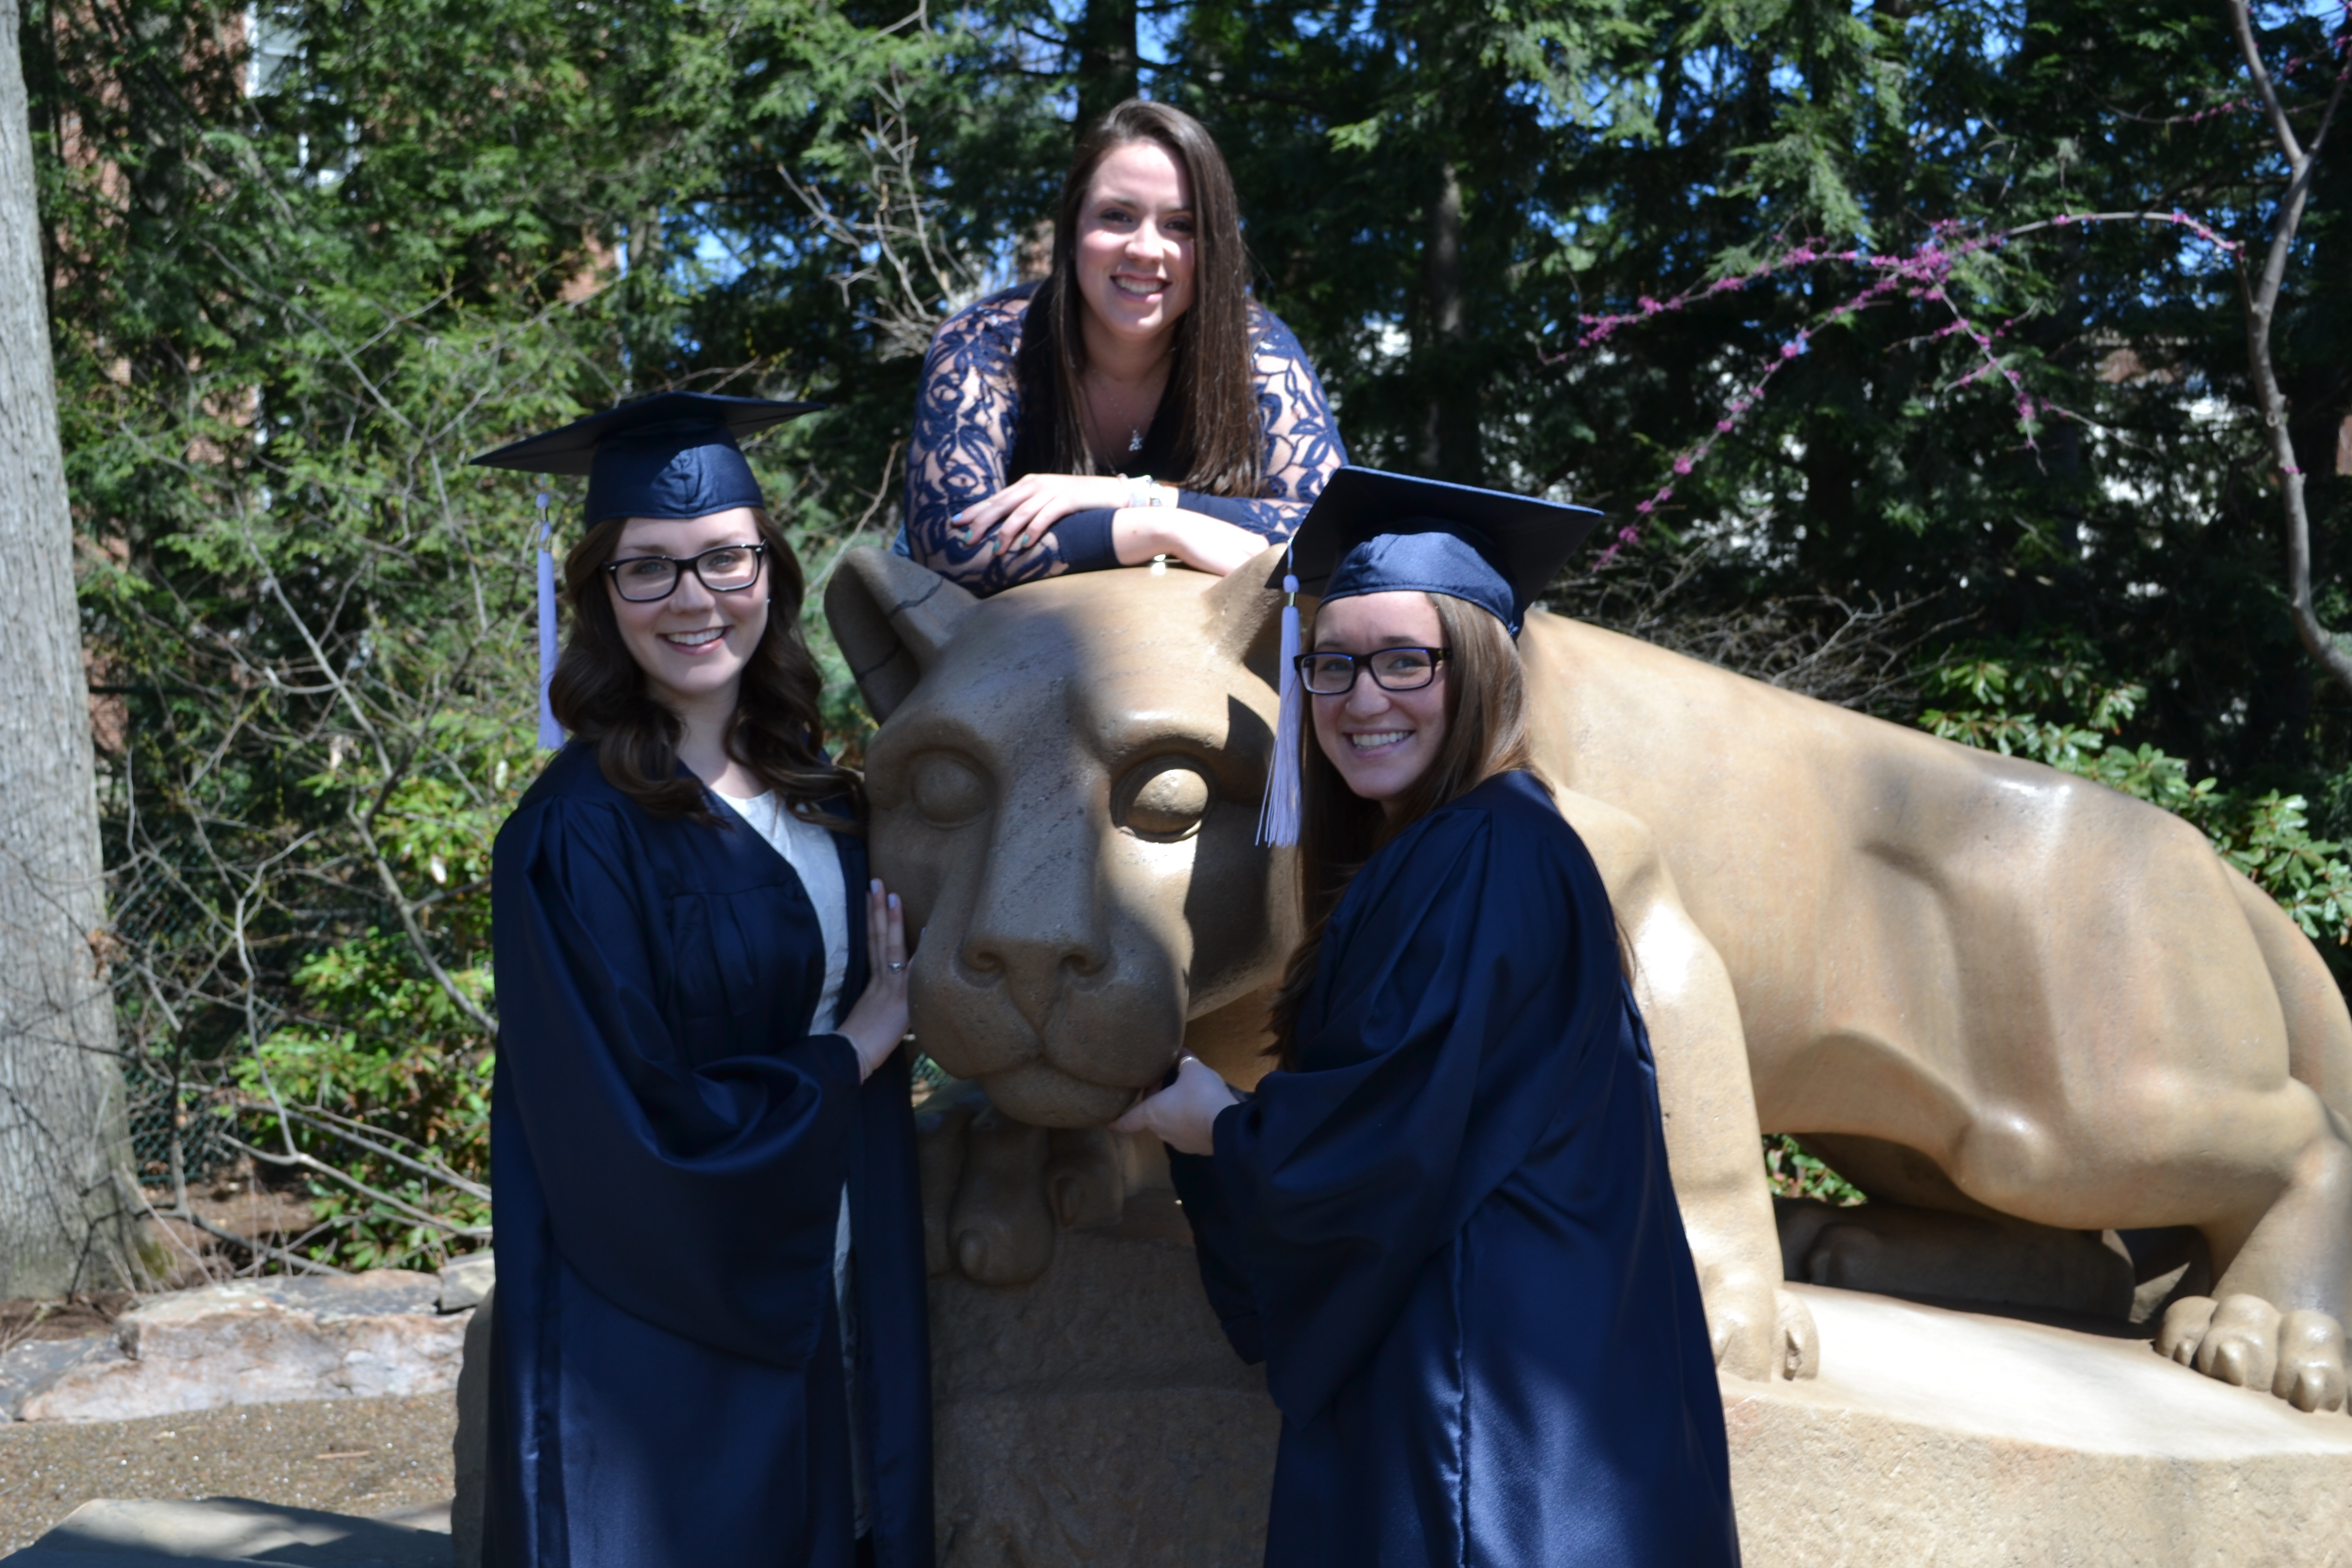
[{"x": 349, "y": 1456}]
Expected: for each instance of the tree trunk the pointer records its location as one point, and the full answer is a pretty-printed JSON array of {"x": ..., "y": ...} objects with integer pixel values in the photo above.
[
  {"x": 61, "y": 1121},
  {"x": 1108, "y": 58},
  {"x": 1449, "y": 435}
]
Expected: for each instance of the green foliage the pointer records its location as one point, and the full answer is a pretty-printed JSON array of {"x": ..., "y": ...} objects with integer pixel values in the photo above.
[
  {"x": 385, "y": 1082},
  {"x": 2267, "y": 836},
  {"x": 1608, "y": 153},
  {"x": 292, "y": 289},
  {"x": 292, "y": 292},
  {"x": 1795, "y": 1172}
]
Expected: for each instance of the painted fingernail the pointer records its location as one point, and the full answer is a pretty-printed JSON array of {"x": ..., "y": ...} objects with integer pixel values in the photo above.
[
  {"x": 876, "y": 885},
  {"x": 894, "y": 900}
]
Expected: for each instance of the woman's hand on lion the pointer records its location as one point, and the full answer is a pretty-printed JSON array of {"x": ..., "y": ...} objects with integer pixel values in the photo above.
[
  {"x": 878, "y": 1022},
  {"x": 1184, "y": 1115},
  {"x": 1024, "y": 511}
]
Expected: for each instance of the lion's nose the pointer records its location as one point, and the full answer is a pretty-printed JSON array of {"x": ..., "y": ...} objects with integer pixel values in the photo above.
[
  {"x": 1032, "y": 966},
  {"x": 994, "y": 954}
]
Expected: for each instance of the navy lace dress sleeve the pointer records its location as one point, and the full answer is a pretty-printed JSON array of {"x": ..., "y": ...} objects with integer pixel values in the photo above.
[{"x": 967, "y": 438}]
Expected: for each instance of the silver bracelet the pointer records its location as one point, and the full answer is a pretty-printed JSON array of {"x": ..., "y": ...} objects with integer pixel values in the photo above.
[{"x": 1142, "y": 491}]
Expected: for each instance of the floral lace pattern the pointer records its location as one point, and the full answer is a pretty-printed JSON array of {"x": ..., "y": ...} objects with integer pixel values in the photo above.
[{"x": 969, "y": 410}]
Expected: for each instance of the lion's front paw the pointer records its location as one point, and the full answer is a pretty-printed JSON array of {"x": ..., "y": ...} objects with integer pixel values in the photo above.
[
  {"x": 1001, "y": 1230},
  {"x": 1760, "y": 1330},
  {"x": 1796, "y": 1343},
  {"x": 996, "y": 1192},
  {"x": 2245, "y": 1340}
]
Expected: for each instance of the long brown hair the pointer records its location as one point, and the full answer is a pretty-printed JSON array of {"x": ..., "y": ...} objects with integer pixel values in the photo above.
[
  {"x": 1217, "y": 447},
  {"x": 1486, "y": 734},
  {"x": 598, "y": 692}
]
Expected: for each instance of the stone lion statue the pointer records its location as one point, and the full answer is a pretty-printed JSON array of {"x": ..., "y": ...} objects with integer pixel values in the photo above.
[{"x": 2034, "y": 1020}]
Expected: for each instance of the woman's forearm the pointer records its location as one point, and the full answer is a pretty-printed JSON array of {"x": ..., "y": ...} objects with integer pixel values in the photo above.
[{"x": 1139, "y": 533}]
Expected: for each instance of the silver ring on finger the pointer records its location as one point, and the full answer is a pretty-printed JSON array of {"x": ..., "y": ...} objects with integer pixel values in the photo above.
[{"x": 894, "y": 968}]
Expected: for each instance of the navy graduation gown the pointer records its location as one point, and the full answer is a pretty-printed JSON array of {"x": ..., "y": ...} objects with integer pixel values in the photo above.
[
  {"x": 1450, "y": 1235},
  {"x": 668, "y": 1147}
]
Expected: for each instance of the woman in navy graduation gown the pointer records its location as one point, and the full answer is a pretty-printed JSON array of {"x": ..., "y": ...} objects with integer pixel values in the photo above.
[
  {"x": 709, "y": 1345},
  {"x": 1445, "y": 1220}
]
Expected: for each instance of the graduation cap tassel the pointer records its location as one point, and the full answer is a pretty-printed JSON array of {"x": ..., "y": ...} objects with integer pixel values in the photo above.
[
  {"x": 551, "y": 733},
  {"x": 1277, "y": 819}
]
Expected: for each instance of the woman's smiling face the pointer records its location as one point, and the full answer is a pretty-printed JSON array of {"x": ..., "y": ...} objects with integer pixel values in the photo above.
[
  {"x": 692, "y": 646},
  {"x": 1135, "y": 245},
  {"x": 1380, "y": 741}
]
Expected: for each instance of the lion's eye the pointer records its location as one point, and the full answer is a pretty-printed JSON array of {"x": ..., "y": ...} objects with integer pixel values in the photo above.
[
  {"x": 1166, "y": 798},
  {"x": 948, "y": 790}
]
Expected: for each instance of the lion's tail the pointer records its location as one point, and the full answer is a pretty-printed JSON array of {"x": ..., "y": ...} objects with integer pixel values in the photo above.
[{"x": 2318, "y": 1027}]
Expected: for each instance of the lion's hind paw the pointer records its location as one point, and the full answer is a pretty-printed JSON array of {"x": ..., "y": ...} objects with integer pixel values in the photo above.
[{"x": 2245, "y": 1340}]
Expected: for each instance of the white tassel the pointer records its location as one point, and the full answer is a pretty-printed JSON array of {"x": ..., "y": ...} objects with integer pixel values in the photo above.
[
  {"x": 551, "y": 733},
  {"x": 1277, "y": 819}
]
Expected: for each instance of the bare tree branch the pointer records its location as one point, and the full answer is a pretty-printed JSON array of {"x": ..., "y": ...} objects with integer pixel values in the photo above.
[
  {"x": 317, "y": 1166},
  {"x": 916, "y": 279},
  {"x": 2261, "y": 310}
]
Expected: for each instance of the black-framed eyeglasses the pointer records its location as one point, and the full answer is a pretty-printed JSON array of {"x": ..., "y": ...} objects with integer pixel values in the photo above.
[
  {"x": 1393, "y": 669},
  {"x": 724, "y": 569}
]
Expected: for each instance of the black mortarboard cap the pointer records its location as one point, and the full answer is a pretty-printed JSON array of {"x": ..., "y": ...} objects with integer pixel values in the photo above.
[
  {"x": 1374, "y": 533},
  {"x": 667, "y": 456}
]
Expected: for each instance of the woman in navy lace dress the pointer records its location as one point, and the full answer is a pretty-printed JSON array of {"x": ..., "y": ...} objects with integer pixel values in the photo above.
[{"x": 1136, "y": 403}]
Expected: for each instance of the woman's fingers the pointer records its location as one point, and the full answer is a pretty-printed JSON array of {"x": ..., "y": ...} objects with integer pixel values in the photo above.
[
  {"x": 1025, "y": 511},
  {"x": 886, "y": 936},
  {"x": 878, "y": 1022},
  {"x": 878, "y": 917},
  {"x": 1032, "y": 528},
  {"x": 1184, "y": 1115},
  {"x": 982, "y": 515},
  {"x": 1027, "y": 523},
  {"x": 894, "y": 939},
  {"x": 1139, "y": 1117}
]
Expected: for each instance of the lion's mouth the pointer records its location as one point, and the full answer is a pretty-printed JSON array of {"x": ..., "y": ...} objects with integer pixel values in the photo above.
[
  {"x": 1043, "y": 1096},
  {"x": 1078, "y": 1073}
]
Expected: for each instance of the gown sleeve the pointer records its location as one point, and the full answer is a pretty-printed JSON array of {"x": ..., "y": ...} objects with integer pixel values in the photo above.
[
  {"x": 1465, "y": 980},
  {"x": 694, "y": 1183}
]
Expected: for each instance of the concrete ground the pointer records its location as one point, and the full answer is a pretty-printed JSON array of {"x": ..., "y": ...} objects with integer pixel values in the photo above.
[{"x": 365, "y": 1456}]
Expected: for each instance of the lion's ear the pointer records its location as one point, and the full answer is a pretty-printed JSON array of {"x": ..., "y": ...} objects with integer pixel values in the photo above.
[
  {"x": 891, "y": 618},
  {"x": 1245, "y": 615}
]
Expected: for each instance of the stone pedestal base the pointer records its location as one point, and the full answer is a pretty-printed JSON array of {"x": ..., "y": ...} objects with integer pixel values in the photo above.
[
  {"x": 110, "y": 1534},
  {"x": 1095, "y": 1419},
  {"x": 1098, "y": 1416},
  {"x": 1965, "y": 1441}
]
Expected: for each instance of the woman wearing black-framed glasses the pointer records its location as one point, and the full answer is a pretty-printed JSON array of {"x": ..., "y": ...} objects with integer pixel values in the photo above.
[
  {"x": 1402, "y": 669},
  {"x": 1443, "y": 1219},
  {"x": 709, "y": 1329},
  {"x": 722, "y": 568}
]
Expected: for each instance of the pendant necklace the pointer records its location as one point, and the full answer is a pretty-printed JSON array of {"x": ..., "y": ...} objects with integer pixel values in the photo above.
[{"x": 1134, "y": 432}]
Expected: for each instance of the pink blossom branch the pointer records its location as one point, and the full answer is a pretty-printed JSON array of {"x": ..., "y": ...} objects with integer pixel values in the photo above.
[{"x": 1924, "y": 273}]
